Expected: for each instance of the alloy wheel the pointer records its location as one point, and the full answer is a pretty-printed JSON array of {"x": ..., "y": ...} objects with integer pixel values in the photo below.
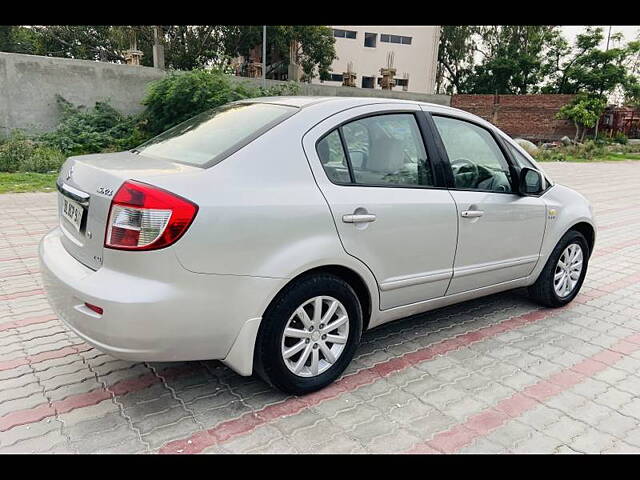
[
  {"x": 315, "y": 336},
  {"x": 568, "y": 270}
]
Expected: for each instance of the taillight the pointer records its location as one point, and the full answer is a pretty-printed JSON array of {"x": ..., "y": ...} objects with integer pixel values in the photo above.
[
  {"x": 93, "y": 307},
  {"x": 143, "y": 217}
]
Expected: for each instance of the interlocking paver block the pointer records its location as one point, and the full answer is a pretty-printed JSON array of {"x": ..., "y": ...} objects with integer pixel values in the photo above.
[{"x": 429, "y": 401}]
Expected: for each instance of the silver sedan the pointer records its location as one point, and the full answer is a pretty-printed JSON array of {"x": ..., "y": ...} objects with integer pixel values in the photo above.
[{"x": 270, "y": 233}]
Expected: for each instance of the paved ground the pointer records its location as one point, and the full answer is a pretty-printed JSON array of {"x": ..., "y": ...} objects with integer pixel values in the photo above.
[{"x": 498, "y": 374}]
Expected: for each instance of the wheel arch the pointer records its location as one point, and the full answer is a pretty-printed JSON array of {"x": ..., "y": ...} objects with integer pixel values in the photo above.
[
  {"x": 353, "y": 278},
  {"x": 242, "y": 354},
  {"x": 588, "y": 231}
]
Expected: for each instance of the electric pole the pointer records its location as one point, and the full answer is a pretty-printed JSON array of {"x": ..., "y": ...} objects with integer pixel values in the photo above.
[
  {"x": 264, "y": 56},
  {"x": 158, "y": 48}
]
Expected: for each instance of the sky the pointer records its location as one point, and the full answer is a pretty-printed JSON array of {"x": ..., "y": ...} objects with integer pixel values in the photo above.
[{"x": 629, "y": 31}]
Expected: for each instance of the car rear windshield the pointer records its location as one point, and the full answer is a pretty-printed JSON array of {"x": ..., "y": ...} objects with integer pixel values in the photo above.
[{"x": 211, "y": 136}]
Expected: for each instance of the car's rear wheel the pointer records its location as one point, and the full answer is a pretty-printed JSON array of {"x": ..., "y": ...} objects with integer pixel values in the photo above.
[
  {"x": 563, "y": 274},
  {"x": 309, "y": 334}
]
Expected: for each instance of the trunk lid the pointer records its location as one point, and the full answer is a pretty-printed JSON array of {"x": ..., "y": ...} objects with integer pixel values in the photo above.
[{"x": 87, "y": 184}]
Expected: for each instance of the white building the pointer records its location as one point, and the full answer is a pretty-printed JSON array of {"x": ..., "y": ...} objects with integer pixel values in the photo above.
[{"x": 415, "y": 55}]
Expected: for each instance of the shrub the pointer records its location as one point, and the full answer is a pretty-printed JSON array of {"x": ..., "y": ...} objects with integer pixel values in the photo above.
[
  {"x": 620, "y": 138},
  {"x": 22, "y": 154},
  {"x": 551, "y": 155},
  {"x": 589, "y": 150},
  {"x": 92, "y": 130},
  {"x": 14, "y": 151},
  {"x": 102, "y": 128},
  {"x": 43, "y": 159},
  {"x": 179, "y": 96}
]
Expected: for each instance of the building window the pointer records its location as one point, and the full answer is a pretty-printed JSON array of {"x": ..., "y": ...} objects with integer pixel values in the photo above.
[
  {"x": 400, "y": 82},
  {"x": 337, "y": 77},
  {"x": 370, "y": 39},
  {"x": 367, "y": 82},
  {"x": 386, "y": 38},
  {"x": 344, "y": 33}
]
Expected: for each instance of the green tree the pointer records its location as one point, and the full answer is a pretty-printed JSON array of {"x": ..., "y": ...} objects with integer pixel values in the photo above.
[
  {"x": 514, "y": 58},
  {"x": 587, "y": 68},
  {"x": 83, "y": 42},
  {"x": 18, "y": 39},
  {"x": 455, "y": 57},
  {"x": 584, "y": 111},
  {"x": 631, "y": 86},
  {"x": 188, "y": 47},
  {"x": 315, "y": 46}
]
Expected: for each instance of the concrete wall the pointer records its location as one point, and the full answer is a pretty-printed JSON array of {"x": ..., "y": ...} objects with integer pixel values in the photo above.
[
  {"x": 527, "y": 116},
  {"x": 29, "y": 84},
  {"x": 418, "y": 60},
  {"x": 324, "y": 90}
]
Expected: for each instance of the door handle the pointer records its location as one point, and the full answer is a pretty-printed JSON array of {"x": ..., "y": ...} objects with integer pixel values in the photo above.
[
  {"x": 471, "y": 213},
  {"x": 359, "y": 218}
]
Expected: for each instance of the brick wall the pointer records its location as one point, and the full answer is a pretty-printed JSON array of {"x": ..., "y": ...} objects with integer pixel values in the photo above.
[{"x": 525, "y": 116}]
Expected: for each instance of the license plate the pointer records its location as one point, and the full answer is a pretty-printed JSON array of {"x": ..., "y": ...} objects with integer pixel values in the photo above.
[{"x": 73, "y": 212}]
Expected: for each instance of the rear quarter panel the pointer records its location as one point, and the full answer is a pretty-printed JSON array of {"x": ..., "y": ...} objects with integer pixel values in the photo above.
[{"x": 261, "y": 212}]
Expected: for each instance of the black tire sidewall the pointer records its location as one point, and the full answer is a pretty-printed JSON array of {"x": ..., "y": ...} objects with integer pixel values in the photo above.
[
  {"x": 270, "y": 364},
  {"x": 571, "y": 237}
]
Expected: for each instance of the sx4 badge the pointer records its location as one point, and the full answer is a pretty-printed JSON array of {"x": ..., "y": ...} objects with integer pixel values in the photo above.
[{"x": 105, "y": 191}]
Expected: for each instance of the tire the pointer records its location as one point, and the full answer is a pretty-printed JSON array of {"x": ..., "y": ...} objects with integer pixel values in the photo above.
[
  {"x": 269, "y": 357},
  {"x": 544, "y": 290}
]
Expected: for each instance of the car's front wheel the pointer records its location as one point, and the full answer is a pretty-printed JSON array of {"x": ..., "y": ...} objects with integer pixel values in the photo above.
[
  {"x": 562, "y": 276},
  {"x": 309, "y": 334}
]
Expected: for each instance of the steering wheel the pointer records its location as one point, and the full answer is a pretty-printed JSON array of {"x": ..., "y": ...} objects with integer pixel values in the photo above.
[
  {"x": 461, "y": 162},
  {"x": 458, "y": 165}
]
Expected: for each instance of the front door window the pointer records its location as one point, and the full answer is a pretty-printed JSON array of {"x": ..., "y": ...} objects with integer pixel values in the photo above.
[{"x": 476, "y": 159}]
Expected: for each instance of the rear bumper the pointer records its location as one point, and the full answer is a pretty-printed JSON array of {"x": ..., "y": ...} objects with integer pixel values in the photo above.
[{"x": 153, "y": 308}]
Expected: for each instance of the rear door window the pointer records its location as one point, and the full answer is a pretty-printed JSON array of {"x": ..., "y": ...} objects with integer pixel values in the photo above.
[
  {"x": 333, "y": 159},
  {"x": 382, "y": 150}
]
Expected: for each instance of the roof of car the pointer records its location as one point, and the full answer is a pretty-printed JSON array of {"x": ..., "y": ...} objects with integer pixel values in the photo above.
[{"x": 305, "y": 101}]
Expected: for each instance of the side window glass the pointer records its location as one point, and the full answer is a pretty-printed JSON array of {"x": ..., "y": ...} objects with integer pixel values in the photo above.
[
  {"x": 333, "y": 158},
  {"x": 520, "y": 159},
  {"x": 357, "y": 139},
  {"x": 476, "y": 160},
  {"x": 387, "y": 149}
]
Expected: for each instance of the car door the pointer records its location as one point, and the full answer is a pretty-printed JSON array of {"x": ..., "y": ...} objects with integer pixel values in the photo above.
[
  {"x": 499, "y": 231},
  {"x": 390, "y": 208}
]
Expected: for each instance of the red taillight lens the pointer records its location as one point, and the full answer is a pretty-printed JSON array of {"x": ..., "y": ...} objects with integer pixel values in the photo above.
[
  {"x": 95, "y": 308},
  {"x": 143, "y": 217}
]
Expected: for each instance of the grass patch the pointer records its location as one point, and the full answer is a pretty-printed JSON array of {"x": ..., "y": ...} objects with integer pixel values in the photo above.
[
  {"x": 27, "y": 182},
  {"x": 623, "y": 156},
  {"x": 611, "y": 157}
]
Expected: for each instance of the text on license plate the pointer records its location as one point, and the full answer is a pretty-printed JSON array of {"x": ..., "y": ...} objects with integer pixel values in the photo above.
[{"x": 72, "y": 211}]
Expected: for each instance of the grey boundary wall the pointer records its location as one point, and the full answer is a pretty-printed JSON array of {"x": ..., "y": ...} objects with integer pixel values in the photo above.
[
  {"x": 29, "y": 84},
  {"x": 319, "y": 90}
]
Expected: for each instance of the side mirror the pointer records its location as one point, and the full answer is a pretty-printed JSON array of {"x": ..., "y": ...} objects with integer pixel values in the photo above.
[{"x": 531, "y": 181}]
